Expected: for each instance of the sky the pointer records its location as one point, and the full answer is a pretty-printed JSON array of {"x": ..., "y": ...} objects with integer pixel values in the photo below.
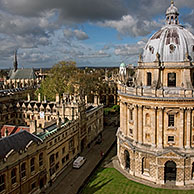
[{"x": 89, "y": 32}]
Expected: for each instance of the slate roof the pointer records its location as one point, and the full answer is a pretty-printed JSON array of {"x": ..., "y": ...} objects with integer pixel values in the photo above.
[
  {"x": 26, "y": 73},
  {"x": 17, "y": 142}
]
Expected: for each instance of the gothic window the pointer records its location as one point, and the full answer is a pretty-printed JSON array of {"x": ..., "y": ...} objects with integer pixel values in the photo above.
[
  {"x": 23, "y": 170},
  {"x": 149, "y": 79},
  {"x": 2, "y": 182},
  {"x": 193, "y": 48},
  {"x": 171, "y": 120},
  {"x": 170, "y": 138},
  {"x": 32, "y": 164},
  {"x": 13, "y": 176},
  {"x": 171, "y": 79},
  {"x": 40, "y": 159},
  {"x": 127, "y": 159}
]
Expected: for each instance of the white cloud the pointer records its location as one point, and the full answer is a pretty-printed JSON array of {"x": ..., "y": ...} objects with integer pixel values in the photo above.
[
  {"x": 130, "y": 26},
  {"x": 78, "y": 34}
]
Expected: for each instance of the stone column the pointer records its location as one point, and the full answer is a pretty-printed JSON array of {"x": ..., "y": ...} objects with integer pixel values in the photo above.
[
  {"x": 126, "y": 119},
  {"x": 154, "y": 126},
  {"x": 160, "y": 119},
  {"x": 140, "y": 124},
  {"x": 121, "y": 115},
  {"x": 135, "y": 124},
  {"x": 188, "y": 134},
  {"x": 181, "y": 126}
]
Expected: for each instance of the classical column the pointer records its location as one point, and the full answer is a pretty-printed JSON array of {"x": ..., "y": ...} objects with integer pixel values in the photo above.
[
  {"x": 188, "y": 134},
  {"x": 140, "y": 124},
  {"x": 160, "y": 119},
  {"x": 154, "y": 126},
  {"x": 126, "y": 119},
  {"x": 135, "y": 124},
  {"x": 182, "y": 127}
]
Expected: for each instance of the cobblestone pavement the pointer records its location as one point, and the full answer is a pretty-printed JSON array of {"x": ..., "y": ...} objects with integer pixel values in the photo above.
[{"x": 71, "y": 179}]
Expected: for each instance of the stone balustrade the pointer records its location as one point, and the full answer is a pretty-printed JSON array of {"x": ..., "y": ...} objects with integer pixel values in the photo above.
[{"x": 149, "y": 92}]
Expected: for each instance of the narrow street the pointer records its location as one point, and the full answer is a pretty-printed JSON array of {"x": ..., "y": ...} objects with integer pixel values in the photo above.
[{"x": 72, "y": 179}]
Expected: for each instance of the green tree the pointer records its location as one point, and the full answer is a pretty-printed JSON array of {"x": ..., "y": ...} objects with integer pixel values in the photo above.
[{"x": 65, "y": 77}]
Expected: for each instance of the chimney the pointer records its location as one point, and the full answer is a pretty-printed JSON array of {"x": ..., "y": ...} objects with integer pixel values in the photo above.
[
  {"x": 44, "y": 98},
  {"x": 28, "y": 97},
  {"x": 57, "y": 98},
  {"x": 39, "y": 97},
  {"x": 96, "y": 100},
  {"x": 6, "y": 132},
  {"x": 58, "y": 120},
  {"x": 33, "y": 126},
  {"x": 86, "y": 99}
]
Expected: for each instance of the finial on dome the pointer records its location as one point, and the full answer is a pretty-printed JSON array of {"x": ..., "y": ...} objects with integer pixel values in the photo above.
[{"x": 172, "y": 2}]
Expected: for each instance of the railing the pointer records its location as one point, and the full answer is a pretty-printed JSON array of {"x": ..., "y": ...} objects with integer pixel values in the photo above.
[{"x": 166, "y": 92}]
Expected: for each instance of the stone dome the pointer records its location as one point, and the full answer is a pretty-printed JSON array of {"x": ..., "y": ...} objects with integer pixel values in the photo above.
[
  {"x": 173, "y": 42},
  {"x": 172, "y": 9},
  {"x": 122, "y": 65}
]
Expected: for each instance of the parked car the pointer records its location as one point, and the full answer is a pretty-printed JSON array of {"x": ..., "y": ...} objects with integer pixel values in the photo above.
[{"x": 78, "y": 162}]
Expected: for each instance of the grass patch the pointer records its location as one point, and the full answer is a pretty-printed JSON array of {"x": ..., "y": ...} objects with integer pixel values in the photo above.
[{"x": 110, "y": 181}]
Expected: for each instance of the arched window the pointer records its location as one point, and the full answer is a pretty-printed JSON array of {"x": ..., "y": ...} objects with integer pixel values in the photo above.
[
  {"x": 2, "y": 182},
  {"x": 170, "y": 171},
  {"x": 171, "y": 79},
  {"x": 23, "y": 170},
  {"x": 127, "y": 159},
  {"x": 40, "y": 159},
  {"x": 149, "y": 79},
  {"x": 192, "y": 172},
  {"x": 13, "y": 176},
  {"x": 32, "y": 164}
]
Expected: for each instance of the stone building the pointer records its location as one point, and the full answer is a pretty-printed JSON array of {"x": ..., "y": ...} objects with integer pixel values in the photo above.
[
  {"x": 22, "y": 163},
  {"x": 21, "y": 77},
  {"x": 64, "y": 128},
  {"x": 156, "y": 135}
]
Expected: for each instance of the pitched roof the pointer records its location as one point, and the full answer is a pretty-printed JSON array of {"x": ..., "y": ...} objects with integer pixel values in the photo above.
[
  {"x": 22, "y": 74},
  {"x": 16, "y": 142}
]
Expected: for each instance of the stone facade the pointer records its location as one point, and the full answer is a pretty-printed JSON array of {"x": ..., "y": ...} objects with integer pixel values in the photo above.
[{"x": 156, "y": 135}]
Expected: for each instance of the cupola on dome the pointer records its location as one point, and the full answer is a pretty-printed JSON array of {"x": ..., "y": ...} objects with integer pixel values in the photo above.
[{"x": 173, "y": 42}]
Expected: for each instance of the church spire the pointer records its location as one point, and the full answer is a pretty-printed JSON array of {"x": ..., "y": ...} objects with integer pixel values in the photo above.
[{"x": 15, "y": 64}]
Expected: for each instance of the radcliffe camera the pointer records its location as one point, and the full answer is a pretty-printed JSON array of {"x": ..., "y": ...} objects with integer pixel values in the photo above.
[{"x": 96, "y": 97}]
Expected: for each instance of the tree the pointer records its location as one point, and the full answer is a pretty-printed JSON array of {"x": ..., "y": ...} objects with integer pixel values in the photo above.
[{"x": 65, "y": 77}]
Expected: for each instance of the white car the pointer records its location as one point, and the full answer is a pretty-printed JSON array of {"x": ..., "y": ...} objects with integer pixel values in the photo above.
[{"x": 79, "y": 162}]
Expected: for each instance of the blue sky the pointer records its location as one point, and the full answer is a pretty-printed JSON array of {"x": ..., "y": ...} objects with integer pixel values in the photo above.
[{"x": 89, "y": 32}]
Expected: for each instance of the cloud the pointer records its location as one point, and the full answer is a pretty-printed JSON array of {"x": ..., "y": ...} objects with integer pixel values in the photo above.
[
  {"x": 69, "y": 10},
  {"x": 130, "y": 26},
  {"x": 97, "y": 54},
  {"x": 129, "y": 49},
  {"x": 78, "y": 34}
]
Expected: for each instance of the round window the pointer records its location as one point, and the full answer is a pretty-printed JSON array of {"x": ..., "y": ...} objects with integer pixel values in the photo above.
[{"x": 172, "y": 48}]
